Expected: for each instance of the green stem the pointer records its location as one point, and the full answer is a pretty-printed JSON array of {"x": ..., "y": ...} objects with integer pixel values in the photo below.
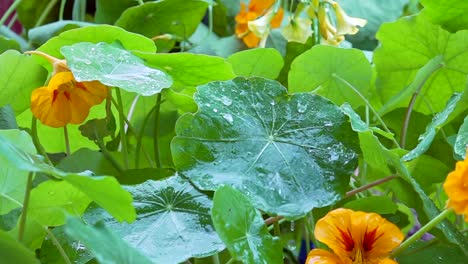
[
  {"x": 370, "y": 185},
  {"x": 109, "y": 156},
  {"x": 230, "y": 261},
  {"x": 62, "y": 9},
  {"x": 58, "y": 246},
  {"x": 36, "y": 142},
  {"x": 67, "y": 140},
  {"x": 215, "y": 258},
  {"x": 276, "y": 229},
  {"x": 423, "y": 230},
  {"x": 12, "y": 21},
  {"x": 24, "y": 212},
  {"x": 419, "y": 80},
  {"x": 123, "y": 134},
  {"x": 9, "y": 11},
  {"x": 140, "y": 137},
  {"x": 157, "y": 112},
  {"x": 45, "y": 13},
  {"x": 140, "y": 2},
  {"x": 367, "y": 103}
]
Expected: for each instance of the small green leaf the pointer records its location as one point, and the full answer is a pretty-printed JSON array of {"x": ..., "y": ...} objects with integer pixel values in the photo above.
[
  {"x": 431, "y": 130},
  {"x": 373, "y": 204},
  {"x": 266, "y": 62},
  {"x": 42, "y": 34},
  {"x": 104, "y": 244},
  {"x": 96, "y": 34},
  {"x": 187, "y": 69},
  {"x": 7, "y": 118},
  {"x": 19, "y": 75},
  {"x": 451, "y": 14},
  {"x": 114, "y": 67},
  {"x": 95, "y": 129},
  {"x": 173, "y": 224},
  {"x": 242, "y": 228},
  {"x": 7, "y": 44},
  {"x": 252, "y": 135},
  {"x": 461, "y": 143},
  {"x": 13, "y": 251},
  {"x": 330, "y": 72}
]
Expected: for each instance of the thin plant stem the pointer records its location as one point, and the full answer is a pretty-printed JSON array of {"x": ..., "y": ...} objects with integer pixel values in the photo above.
[
  {"x": 368, "y": 104},
  {"x": 67, "y": 140},
  {"x": 230, "y": 261},
  {"x": 370, "y": 185},
  {"x": 215, "y": 259},
  {"x": 123, "y": 136},
  {"x": 140, "y": 2},
  {"x": 12, "y": 21},
  {"x": 311, "y": 222},
  {"x": 24, "y": 211},
  {"x": 157, "y": 112},
  {"x": 423, "y": 230},
  {"x": 36, "y": 142},
  {"x": 108, "y": 156},
  {"x": 308, "y": 233},
  {"x": 45, "y": 13},
  {"x": 58, "y": 246},
  {"x": 62, "y": 9},
  {"x": 10, "y": 10},
  {"x": 140, "y": 137},
  {"x": 277, "y": 229}
]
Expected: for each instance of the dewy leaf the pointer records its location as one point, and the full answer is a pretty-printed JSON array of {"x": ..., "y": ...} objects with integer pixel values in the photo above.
[
  {"x": 173, "y": 223},
  {"x": 409, "y": 44},
  {"x": 242, "y": 228},
  {"x": 15, "y": 87},
  {"x": 104, "y": 244},
  {"x": 96, "y": 34},
  {"x": 114, "y": 67},
  {"x": 451, "y": 14},
  {"x": 265, "y": 62},
  {"x": 431, "y": 130},
  {"x": 14, "y": 252},
  {"x": 189, "y": 69},
  {"x": 115, "y": 200},
  {"x": 287, "y": 153},
  {"x": 461, "y": 143},
  {"x": 330, "y": 72}
]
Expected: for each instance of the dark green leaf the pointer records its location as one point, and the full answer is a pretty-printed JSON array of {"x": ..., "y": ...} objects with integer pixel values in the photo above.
[
  {"x": 451, "y": 14},
  {"x": 242, "y": 228},
  {"x": 336, "y": 73},
  {"x": 13, "y": 251},
  {"x": 108, "y": 11},
  {"x": 95, "y": 129},
  {"x": 425, "y": 140},
  {"x": 42, "y": 34},
  {"x": 29, "y": 12},
  {"x": 114, "y": 67},
  {"x": 137, "y": 176},
  {"x": 19, "y": 75},
  {"x": 104, "y": 244},
  {"x": 86, "y": 159},
  {"x": 373, "y": 204},
  {"x": 7, "y": 118},
  {"x": 257, "y": 62},
  {"x": 173, "y": 223},
  {"x": 432, "y": 252},
  {"x": 288, "y": 154}
]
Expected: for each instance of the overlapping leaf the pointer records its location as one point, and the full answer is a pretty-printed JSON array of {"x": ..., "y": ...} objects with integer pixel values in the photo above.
[{"x": 288, "y": 154}]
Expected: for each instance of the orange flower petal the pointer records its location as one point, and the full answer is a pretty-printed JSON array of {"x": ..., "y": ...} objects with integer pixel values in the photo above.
[
  {"x": 277, "y": 19},
  {"x": 260, "y": 6},
  {"x": 320, "y": 256},
  {"x": 456, "y": 187},
  {"x": 251, "y": 40}
]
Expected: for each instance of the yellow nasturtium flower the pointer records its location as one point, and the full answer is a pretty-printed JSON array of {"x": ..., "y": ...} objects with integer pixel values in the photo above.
[
  {"x": 65, "y": 100},
  {"x": 456, "y": 188},
  {"x": 261, "y": 18},
  {"x": 355, "y": 237},
  {"x": 298, "y": 30}
]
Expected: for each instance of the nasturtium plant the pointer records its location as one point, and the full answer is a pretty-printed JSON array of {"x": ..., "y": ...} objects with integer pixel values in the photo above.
[{"x": 233, "y": 131}]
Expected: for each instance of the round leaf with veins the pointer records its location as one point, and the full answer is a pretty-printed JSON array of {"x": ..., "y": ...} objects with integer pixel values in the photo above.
[{"x": 287, "y": 153}]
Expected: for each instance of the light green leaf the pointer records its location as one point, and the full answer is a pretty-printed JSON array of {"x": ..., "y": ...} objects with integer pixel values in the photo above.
[
  {"x": 330, "y": 72},
  {"x": 451, "y": 14},
  {"x": 431, "y": 130},
  {"x": 14, "y": 252},
  {"x": 187, "y": 69},
  {"x": 52, "y": 200},
  {"x": 252, "y": 135},
  {"x": 29, "y": 12},
  {"x": 373, "y": 204},
  {"x": 96, "y": 34},
  {"x": 242, "y": 228},
  {"x": 173, "y": 224},
  {"x": 19, "y": 75},
  {"x": 104, "y": 244},
  {"x": 266, "y": 62},
  {"x": 12, "y": 187},
  {"x": 461, "y": 143},
  {"x": 409, "y": 44},
  {"x": 114, "y": 67},
  {"x": 178, "y": 18},
  {"x": 115, "y": 200},
  {"x": 6, "y": 44},
  {"x": 108, "y": 11}
]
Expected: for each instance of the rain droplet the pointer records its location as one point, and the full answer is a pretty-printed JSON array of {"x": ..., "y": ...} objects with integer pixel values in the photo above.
[
  {"x": 228, "y": 118},
  {"x": 215, "y": 110},
  {"x": 328, "y": 123},
  {"x": 301, "y": 108},
  {"x": 272, "y": 102},
  {"x": 226, "y": 100}
]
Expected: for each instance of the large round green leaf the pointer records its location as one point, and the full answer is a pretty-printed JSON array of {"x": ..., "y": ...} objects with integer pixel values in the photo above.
[
  {"x": 262, "y": 62},
  {"x": 451, "y": 14},
  {"x": 407, "y": 46},
  {"x": 173, "y": 222},
  {"x": 114, "y": 67},
  {"x": 242, "y": 228},
  {"x": 287, "y": 153},
  {"x": 336, "y": 73}
]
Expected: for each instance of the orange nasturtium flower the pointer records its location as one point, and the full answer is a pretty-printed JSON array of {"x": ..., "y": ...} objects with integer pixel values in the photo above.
[
  {"x": 255, "y": 10},
  {"x": 456, "y": 187},
  {"x": 355, "y": 237},
  {"x": 64, "y": 100}
]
